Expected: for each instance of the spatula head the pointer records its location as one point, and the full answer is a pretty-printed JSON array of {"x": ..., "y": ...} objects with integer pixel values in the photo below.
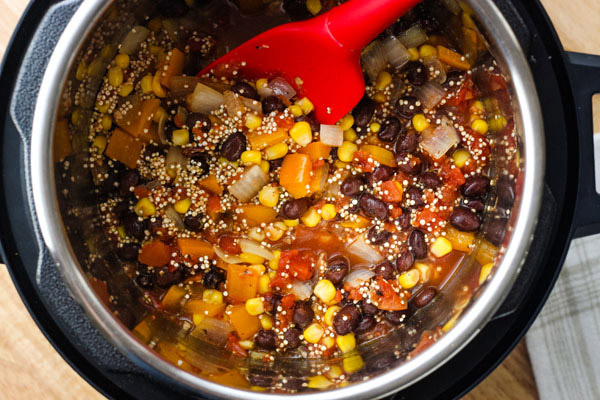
[{"x": 309, "y": 58}]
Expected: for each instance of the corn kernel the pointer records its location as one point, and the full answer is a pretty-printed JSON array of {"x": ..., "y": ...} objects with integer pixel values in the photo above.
[
  {"x": 266, "y": 321},
  {"x": 313, "y": 333},
  {"x": 246, "y": 344},
  {"x": 251, "y": 258},
  {"x": 477, "y": 107},
  {"x": 350, "y": 135},
  {"x": 335, "y": 372},
  {"x": 96, "y": 68},
  {"x": 311, "y": 217},
  {"x": 460, "y": 157},
  {"x": 122, "y": 61},
  {"x": 328, "y": 212},
  {"x": 301, "y": 133},
  {"x": 306, "y": 105},
  {"x": 264, "y": 284},
  {"x": 272, "y": 274},
  {"x": 276, "y": 151},
  {"x": 324, "y": 290},
  {"x": 125, "y": 89},
  {"x": 253, "y": 121},
  {"x": 144, "y": 207},
  {"x": 261, "y": 83},
  {"x": 485, "y": 272},
  {"x": 426, "y": 51},
  {"x": 380, "y": 98},
  {"x": 339, "y": 164},
  {"x": 181, "y": 137},
  {"x": 383, "y": 80},
  {"x": 103, "y": 106},
  {"x": 420, "y": 122},
  {"x": 346, "y": 151},
  {"x": 330, "y": 313},
  {"x": 275, "y": 233},
  {"x": 258, "y": 269},
  {"x": 157, "y": 87},
  {"x": 291, "y": 222},
  {"x": 182, "y": 206},
  {"x": 375, "y": 127},
  {"x": 121, "y": 231},
  {"x": 497, "y": 123},
  {"x": 296, "y": 110},
  {"x": 353, "y": 364},
  {"x": 441, "y": 247},
  {"x": 347, "y": 122},
  {"x": 155, "y": 24},
  {"x": 100, "y": 143},
  {"x": 424, "y": 271},
  {"x": 255, "y": 306},
  {"x": 269, "y": 196},
  {"x": 108, "y": 52},
  {"x": 257, "y": 234},
  {"x": 274, "y": 262},
  {"x": 146, "y": 84},
  {"x": 480, "y": 126},
  {"x": 409, "y": 279},
  {"x": 265, "y": 166},
  {"x": 155, "y": 50},
  {"x": 115, "y": 76},
  {"x": 81, "y": 71},
  {"x": 450, "y": 324},
  {"x": 212, "y": 296},
  {"x": 319, "y": 382},
  {"x": 251, "y": 157},
  {"x": 106, "y": 122},
  {"x": 160, "y": 113},
  {"x": 346, "y": 343},
  {"x": 314, "y": 6},
  {"x": 414, "y": 53},
  {"x": 328, "y": 342}
]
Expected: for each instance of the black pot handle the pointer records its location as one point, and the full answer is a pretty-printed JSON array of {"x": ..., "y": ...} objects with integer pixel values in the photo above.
[{"x": 584, "y": 74}]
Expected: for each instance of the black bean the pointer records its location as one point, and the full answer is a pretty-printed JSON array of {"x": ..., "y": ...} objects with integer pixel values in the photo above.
[
  {"x": 213, "y": 278},
  {"x": 417, "y": 243},
  {"x": 337, "y": 270},
  {"x": 380, "y": 362},
  {"x": 405, "y": 261},
  {"x": 294, "y": 209},
  {"x": 366, "y": 324},
  {"x": 374, "y": 207},
  {"x": 292, "y": 336},
  {"x": 476, "y": 186},
  {"x": 129, "y": 179},
  {"x": 474, "y": 204},
  {"x": 396, "y": 317},
  {"x": 413, "y": 197},
  {"x": 368, "y": 308},
  {"x": 129, "y": 251},
  {"x": 352, "y": 186},
  {"x": 133, "y": 226},
  {"x": 293, "y": 383},
  {"x": 409, "y": 106},
  {"x": 99, "y": 269},
  {"x": 296, "y": 9},
  {"x": 505, "y": 189},
  {"x": 416, "y": 73},
  {"x": 363, "y": 113},
  {"x": 424, "y": 297},
  {"x": 453, "y": 79},
  {"x": 173, "y": 8},
  {"x": 199, "y": 121},
  {"x": 194, "y": 223},
  {"x": 378, "y": 236},
  {"x": 145, "y": 278},
  {"x": 385, "y": 269},
  {"x": 266, "y": 339},
  {"x": 262, "y": 378},
  {"x": 464, "y": 219},
  {"x": 303, "y": 314},
  {"x": 409, "y": 163},
  {"x": 202, "y": 161},
  {"x": 246, "y": 90},
  {"x": 276, "y": 164},
  {"x": 233, "y": 147},
  {"x": 406, "y": 144},
  {"x": 431, "y": 180},
  {"x": 165, "y": 277},
  {"x": 496, "y": 230},
  {"x": 272, "y": 103},
  {"x": 390, "y": 130},
  {"x": 121, "y": 209},
  {"x": 346, "y": 320},
  {"x": 404, "y": 219},
  {"x": 312, "y": 121},
  {"x": 382, "y": 173}
]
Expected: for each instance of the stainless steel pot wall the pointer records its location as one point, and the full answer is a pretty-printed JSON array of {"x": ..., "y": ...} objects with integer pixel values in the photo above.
[{"x": 68, "y": 216}]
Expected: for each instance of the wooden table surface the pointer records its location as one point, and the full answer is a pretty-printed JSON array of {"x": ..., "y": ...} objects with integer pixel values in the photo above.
[{"x": 31, "y": 369}]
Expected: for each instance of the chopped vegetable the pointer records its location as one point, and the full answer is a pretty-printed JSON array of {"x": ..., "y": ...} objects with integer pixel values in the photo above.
[
  {"x": 332, "y": 135},
  {"x": 155, "y": 254},
  {"x": 124, "y": 148},
  {"x": 437, "y": 141},
  {"x": 242, "y": 282},
  {"x": 204, "y": 99},
  {"x": 249, "y": 184},
  {"x": 294, "y": 174},
  {"x": 195, "y": 248}
]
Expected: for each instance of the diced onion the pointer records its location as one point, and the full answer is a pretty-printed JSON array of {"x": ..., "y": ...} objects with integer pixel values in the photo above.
[
  {"x": 360, "y": 249},
  {"x": 249, "y": 184},
  {"x": 265, "y": 91},
  {"x": 233, "y": 104},
  {"x": 430, "y": 94},
  {"x": 175, "y": 218},
  {"x": 162, "y": 136},
  {"x": 134, "y": 38},
  {"x": 252, "y": 247},
  {"x": 413, "y": 36},
  {"x": 374, "y": 59},
  {"x": 358, "y": 277},
  {"x": 397, "y": 90},
  {"x": 181, "y": 86},
  {"x": 175, "y": 157},
  {"x": 439, "y": 72},
  {"x": 437, "y": 141},
  {"x": 332, "y": 135},
  {"x": 453, "y": 6},
  {"x": 251, "y": 104},
  {"x": 302, "y": 290},
  {"x": 397, "y": 55},
  {"x": 228, "y": 258},
  {"x": 281, "y": 87},
  {"x": 204, "y": 99},
  {"x": 213, "y": 329}
]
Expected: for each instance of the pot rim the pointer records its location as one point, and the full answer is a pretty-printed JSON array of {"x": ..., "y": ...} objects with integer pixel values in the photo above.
[{"x": 468, "y": 326}]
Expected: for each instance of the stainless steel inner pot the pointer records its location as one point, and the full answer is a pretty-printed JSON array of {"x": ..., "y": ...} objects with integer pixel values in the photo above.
[{"x": 68, "y": 217}]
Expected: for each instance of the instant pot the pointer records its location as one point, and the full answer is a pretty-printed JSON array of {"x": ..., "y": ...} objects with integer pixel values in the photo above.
[{"x": 570, "y": 207}]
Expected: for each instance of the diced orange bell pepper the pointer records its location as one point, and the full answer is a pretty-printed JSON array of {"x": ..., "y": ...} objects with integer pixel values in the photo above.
[
  {"x": 195, "y": 248},
  {"x": 256, "y": 214},
  {"x": 380, "y": 155},
  {"x": 316, "y": 151},
  {"x": 62, "y": 141},
  {"x": 211, "y": 184},
  {"x": 213, "y": 206},
  {"x": 201, "y": 307},
  {"x": 124, "y": 148},
  {"x": 461, "y": 241},
  {"x": 241, "y": 283},
  {"x": 319, "y": 178},
  {"x": 138, "y": 118},
  {"x": 150, "y": 135},
  {"x": 245, "y": 325},
  {"x": 260, "y": 140},
  {"x": 174, "y": 68},
  {"x": 452, "y": 58},
  {"x": 142, "y": 330},
  {"x": 155, "y": 254},
  {"x": 294, "y": 175},
  {"x": 232, "y": 378},
  {"x": 173, "y": 297},
  {"x": 391, "y": 191},
  {"x": 486, "y": 253}
]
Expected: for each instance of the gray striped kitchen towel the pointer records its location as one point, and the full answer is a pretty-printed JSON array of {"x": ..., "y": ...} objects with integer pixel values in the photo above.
[{"x": 564, "y": 342}]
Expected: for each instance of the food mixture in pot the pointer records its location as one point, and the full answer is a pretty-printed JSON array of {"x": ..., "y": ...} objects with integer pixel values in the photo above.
[{"x": 246, "y": 222}]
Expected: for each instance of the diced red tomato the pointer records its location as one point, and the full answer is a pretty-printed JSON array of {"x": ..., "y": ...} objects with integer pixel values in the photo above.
[
  {"x": 213, "y": 206},
  {"x": 293, "y": 264},
  {"x": 229, "y": 244},
  {"x": 141, "y": 192},
  {"x": 391, "y": 191},
  {"x": 362, "y": 162},
  {"x": 389, "y": 299},
  {"x": 452, "y": 176},
  {"x": 233, "y": 344}
]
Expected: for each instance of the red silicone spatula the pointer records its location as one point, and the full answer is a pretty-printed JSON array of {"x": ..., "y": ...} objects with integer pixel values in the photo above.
[{"x": 323, "y": 52}]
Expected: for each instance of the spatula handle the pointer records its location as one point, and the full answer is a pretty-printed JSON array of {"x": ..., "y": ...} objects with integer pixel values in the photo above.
[{"x": 357, "y": 22}]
